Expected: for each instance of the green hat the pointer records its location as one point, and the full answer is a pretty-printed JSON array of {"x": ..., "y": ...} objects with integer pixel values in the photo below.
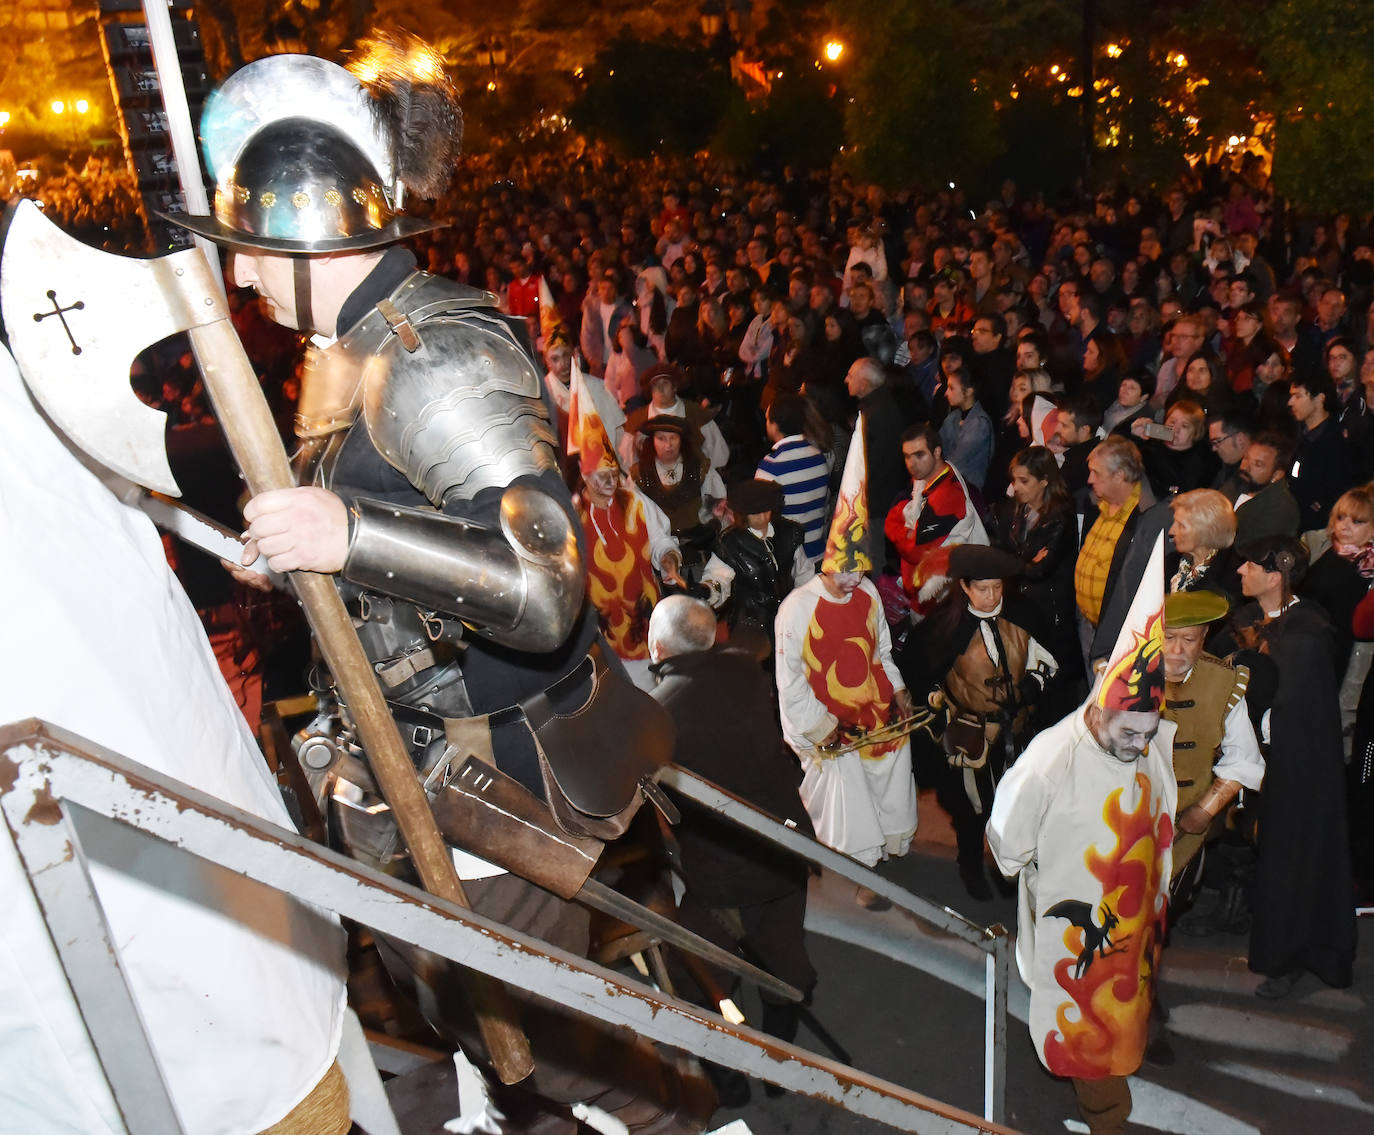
[{"x": 1193, "y": 609}]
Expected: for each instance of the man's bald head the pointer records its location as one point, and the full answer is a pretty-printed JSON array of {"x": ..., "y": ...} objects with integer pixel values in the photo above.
[{"x": 680, "y": 625}]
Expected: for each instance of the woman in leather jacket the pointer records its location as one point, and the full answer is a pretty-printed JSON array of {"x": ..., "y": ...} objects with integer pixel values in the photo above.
[{"x": 1041, "y": 528}]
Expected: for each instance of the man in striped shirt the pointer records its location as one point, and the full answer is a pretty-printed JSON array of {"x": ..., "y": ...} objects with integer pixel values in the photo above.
[{"x": 800, "y": 468}]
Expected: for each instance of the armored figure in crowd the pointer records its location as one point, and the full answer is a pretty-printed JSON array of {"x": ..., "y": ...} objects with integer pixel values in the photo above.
[{"x": 431, "y": 487}]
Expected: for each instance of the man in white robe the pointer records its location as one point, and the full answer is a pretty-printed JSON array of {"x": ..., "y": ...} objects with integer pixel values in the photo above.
[
  {"x": 837, "y": 682},
  {"x": 1085, "y": 815}
]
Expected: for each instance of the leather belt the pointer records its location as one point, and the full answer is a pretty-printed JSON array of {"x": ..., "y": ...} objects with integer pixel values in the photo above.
[{"x": 420, "y": 726}]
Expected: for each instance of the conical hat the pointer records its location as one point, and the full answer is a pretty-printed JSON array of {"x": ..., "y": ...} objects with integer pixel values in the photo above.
[
  {"x": 847, "y": 547},
  {"x": 1134, "y": 677},
  {"x": 587, "y": 436}
]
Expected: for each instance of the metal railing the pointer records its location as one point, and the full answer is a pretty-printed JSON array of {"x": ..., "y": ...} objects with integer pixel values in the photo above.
[
  {"x": 50, "y": 779},
  {"x": 993, "y": 940}
]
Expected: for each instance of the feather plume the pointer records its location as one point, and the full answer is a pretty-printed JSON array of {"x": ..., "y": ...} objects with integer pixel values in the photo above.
[{"x": 416, "y": 106}]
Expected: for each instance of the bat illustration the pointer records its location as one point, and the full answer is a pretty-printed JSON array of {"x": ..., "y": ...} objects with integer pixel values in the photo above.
[{"x": 1097, "y": 940}]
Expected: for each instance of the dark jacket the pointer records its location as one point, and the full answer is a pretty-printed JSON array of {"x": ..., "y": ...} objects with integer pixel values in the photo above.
[
  {"x": 1270, "y": 512},
  {"x": 1129, "y": 560},
  {"x": 728, "y": 733},
  {"x": 763, "y": 571},
  {"x": 1322, "y": 471}
]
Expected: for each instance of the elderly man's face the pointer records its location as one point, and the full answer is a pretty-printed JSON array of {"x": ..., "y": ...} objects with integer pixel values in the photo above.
[
  {"x": 1182, "y": 649},
  {"x": 856, "y": 380},
  {"x": 1106, "y": 483}
]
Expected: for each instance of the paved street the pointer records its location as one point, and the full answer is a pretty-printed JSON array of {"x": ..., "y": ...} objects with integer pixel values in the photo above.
[{"x": 1243, "y": 1065}]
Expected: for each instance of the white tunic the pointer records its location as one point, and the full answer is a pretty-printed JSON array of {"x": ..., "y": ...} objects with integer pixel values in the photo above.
[
  {"x": 864, "y": 806},
  {"x": 1087, "y": 830},
  {"x": 244, "y": 1012}
]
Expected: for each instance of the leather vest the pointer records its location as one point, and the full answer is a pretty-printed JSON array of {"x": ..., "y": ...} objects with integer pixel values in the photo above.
[
  {"x": 681, "y": 502},
  {"x": 1198, "y": 708},
  {"x": 763, "y": 571},
  {"x": 966, "y": 682}
]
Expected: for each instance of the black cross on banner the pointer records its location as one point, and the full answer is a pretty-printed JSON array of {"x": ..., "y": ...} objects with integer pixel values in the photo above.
[{"x": 60, "y": 312}]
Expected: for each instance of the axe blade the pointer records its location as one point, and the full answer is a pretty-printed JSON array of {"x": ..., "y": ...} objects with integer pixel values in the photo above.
[{"x": 77, "y": 317}]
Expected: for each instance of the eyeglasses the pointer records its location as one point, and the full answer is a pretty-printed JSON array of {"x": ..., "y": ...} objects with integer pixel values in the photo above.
[{"x": 1217, "y": 442}]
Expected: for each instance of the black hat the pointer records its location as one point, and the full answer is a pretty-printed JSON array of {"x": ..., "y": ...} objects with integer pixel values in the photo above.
[
  {"x": 747, "y": 498},
  {"x": 978, "y": 561},
  {"x": 667, "y": 423},
  {"x": 1286, "y": 554}
]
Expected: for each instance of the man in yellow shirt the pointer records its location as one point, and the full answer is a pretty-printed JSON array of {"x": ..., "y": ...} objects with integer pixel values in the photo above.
[{"x": 1116, "y": 549}]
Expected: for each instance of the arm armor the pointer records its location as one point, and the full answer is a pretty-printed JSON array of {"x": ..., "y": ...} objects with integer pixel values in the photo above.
[{"x": 521, "y": 585}]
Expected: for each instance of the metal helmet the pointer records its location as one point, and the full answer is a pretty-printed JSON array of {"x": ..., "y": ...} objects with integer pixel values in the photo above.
[{"x": 299, "y": 161}]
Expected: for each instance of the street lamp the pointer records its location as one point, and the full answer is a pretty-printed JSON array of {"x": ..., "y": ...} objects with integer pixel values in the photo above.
[
  {"x": 493, "y": 53},
  {"x": 833, "y": 50},
  {"x": 712, "y": 18}
]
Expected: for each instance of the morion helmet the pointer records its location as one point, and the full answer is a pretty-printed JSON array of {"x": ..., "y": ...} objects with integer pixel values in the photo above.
[{"x": 302, "y": 162}]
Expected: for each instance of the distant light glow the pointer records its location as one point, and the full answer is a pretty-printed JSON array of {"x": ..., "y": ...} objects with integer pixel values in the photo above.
[
  {"x": 1055, "y": 69},
  {"x": 82, "y": 106},
  {"x": 58, "y": 106},
  {"x": 833, "y": 50},
  {"x": 1114, "y": 50}
]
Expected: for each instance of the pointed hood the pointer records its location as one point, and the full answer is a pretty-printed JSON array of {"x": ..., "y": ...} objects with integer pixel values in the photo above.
[
  {"x": 847, "y": 547},
  {"x": 588, "y": 438}
]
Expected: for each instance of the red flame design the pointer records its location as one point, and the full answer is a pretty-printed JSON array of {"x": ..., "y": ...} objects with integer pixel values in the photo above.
[
  {"x": 620, "y": 574},
  {"x": 842, "y": 667},
  {"x": 1102, "y": 1028}
]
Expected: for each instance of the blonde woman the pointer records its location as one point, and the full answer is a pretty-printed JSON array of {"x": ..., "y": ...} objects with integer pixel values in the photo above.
[{"x": 1203, "y": 530}]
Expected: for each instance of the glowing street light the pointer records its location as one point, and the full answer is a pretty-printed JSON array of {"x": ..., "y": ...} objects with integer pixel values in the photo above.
[
  {"x": 833, "y": 50},
  {"x": 1114, "y": 50},
  {"x": 82, "y": 106},
  {"x": 58, "y": 106}
]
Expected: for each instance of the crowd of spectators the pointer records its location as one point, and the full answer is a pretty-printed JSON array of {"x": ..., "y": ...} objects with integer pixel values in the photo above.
[{"x": 1094, "y": 372}]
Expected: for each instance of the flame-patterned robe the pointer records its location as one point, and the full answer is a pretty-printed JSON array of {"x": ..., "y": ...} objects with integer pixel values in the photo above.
[
  {"x": 1092, "y": 838},
  {"x": 834, "y": 665},
  {"x": 625, "y": 542}
]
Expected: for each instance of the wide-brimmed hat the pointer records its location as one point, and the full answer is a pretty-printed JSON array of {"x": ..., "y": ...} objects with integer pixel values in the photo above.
[
  {"x": 749, "y": 498},
  {"x": 979, "y": 561}
]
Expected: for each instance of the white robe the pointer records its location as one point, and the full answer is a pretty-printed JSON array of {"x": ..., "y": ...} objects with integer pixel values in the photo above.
[
  {"x": 244, "y": 1013},
  {"x": 862, "y": 806},
  {"x": 1065, "y": 807}
]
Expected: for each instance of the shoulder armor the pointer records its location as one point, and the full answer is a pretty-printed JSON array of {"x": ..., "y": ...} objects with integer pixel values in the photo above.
[{"x": 457, "y": 406}]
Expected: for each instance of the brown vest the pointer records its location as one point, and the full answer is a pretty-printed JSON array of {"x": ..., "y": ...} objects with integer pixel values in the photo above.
[
  {"x": 1198, "y": 708},
  {"x": 966, "y": 682}
]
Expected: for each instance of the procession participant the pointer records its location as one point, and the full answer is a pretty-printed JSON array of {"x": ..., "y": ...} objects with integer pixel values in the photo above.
[
  {"x": 935, "y": 515},
  {"x": 244, "y": 1019},
  {"x": 431, "y": 489},
  {"x": 1086, "y": 816},
  {"x": 1303, "y": 917},
  {"x": 663, "y": 383},
  {"x": 673, "y": 474},
  {"x": 627, "y": 540},
  {"x": 561, "y": 358},
  {"x": 984, "y": 672},
  {"x": 1215, "y": 751},
  {"x": 758, "y": 560},
  {"x": 837, "y": 682},
  {"x": 740, "y": 890}
]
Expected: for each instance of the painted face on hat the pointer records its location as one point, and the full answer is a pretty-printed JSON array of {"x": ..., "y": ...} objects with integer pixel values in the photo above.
[{"x": 1126, "y": 734}]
